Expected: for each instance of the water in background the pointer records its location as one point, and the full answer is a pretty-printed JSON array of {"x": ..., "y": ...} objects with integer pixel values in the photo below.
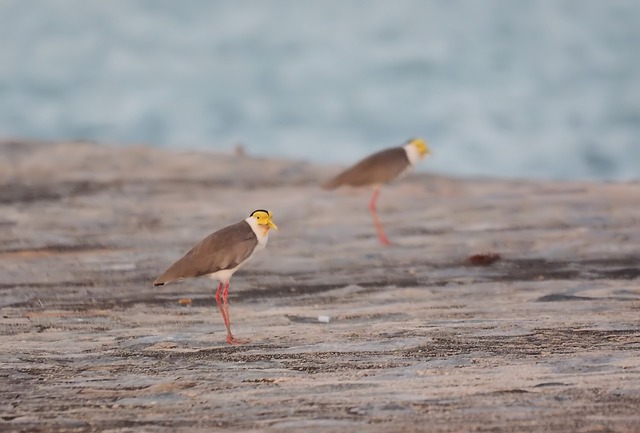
[{"x": 547, "y": 88}]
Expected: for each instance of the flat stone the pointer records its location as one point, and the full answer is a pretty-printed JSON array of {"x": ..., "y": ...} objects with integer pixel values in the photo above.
[{"x": 546, "y": 338}]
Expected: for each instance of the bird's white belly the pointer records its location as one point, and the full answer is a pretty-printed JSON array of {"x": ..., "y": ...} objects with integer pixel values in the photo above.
[
  {"x": 225, "y": 275},
  {"x": 405, "y": 172}
]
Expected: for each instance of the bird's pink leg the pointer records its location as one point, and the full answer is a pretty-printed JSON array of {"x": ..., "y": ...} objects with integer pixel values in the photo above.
[
  {"x": 225, "y": 317},
  {"x": 230, "y": 337},
  {"x": 372, "y": 207}
]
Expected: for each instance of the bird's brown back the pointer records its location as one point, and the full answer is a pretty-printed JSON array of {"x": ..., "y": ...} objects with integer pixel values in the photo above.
[
  {"x": 224, "y": 249},
  {"x": 381, "y": 167}
]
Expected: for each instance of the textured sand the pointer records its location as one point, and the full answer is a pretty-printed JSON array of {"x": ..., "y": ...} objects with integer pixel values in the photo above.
[{"x": 547, "y": 339}]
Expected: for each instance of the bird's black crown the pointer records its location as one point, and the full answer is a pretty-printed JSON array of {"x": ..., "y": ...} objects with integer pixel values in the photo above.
[{"x": 259, "y": 210}]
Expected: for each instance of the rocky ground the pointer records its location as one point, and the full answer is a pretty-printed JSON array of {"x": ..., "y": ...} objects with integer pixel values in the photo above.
[{"x": 415, "y": 337}]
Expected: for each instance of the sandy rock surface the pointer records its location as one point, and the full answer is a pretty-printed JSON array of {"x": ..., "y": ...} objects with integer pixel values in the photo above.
[{"x": 345, "y": 335}]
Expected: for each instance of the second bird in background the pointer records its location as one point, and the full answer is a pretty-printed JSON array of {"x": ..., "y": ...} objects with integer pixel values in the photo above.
[{"x": 380, "y": 168}]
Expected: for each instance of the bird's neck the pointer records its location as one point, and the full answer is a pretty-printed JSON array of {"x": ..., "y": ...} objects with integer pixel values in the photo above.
[
  {"x": 261, "y": 231},
  {"x": 413, "y": 154}
]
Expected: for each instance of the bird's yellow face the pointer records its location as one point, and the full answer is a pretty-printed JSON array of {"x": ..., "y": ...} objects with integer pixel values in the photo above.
[
  {"x": 263, "y": 218},
  {"x": 422, "y": 147}
]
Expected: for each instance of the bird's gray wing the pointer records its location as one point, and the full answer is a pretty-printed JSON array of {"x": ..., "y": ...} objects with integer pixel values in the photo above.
[
  {"x": 224, "y": 249},
  {"x": 381, "y": 167}
]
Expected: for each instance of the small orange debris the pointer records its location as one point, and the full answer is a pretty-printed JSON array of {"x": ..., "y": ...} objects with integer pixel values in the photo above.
[{"x": 184, "y": 301}]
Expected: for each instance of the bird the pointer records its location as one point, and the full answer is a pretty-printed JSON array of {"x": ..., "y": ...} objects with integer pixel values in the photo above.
[
  {"x": 380, "y": 168},
  {"x": 220, "y": 255}
]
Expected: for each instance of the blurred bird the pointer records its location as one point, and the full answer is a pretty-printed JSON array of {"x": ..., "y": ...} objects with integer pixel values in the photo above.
[
  {"x": 220, "y": 255},
  {"x": 380, "y": 168}
]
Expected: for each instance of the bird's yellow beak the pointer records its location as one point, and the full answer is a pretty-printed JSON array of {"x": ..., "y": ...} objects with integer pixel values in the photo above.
[
  {"x": 422, "y": 147},
  {"x": 270, "y": 222}
]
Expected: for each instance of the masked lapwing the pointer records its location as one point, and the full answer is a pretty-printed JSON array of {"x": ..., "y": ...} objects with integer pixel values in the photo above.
[
  {"x": 220, "y": 255},
  {"x": 380, "y": 168}
]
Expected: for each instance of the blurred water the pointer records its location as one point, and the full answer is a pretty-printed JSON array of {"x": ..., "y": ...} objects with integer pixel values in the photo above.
[{"x": 547, "y": 88}]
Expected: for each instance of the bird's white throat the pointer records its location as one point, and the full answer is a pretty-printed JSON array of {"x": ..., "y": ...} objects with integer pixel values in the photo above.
[
  {"x": 412, "y": 153},
  {"x": 261, "y": 231}
]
